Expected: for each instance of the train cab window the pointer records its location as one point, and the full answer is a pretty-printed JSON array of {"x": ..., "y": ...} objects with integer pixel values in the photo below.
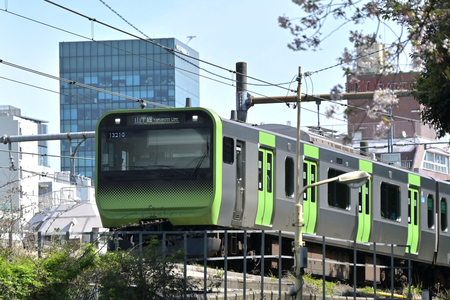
[
  {"x": 338, "y": 193},
  {"x": 444, "y": 224},
  {"x": 430, "y": 214},
  {"x": 289, "y": 186},
  {"x": 228, "y": 150},
  {"x": 390, "y": 201}
]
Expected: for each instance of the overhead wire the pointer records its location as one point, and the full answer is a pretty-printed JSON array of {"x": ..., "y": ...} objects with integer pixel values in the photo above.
[
  {"x": 45, "y": 155},
  {"x": 171, "y": 50},
  {"x": 106, "y": 44},
  {"x": 47, "y": 175},
  {"x": 51, "y": 91}
]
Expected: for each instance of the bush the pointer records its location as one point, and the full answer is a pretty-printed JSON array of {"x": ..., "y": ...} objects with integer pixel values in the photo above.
[{"x": 64, "y": 273}]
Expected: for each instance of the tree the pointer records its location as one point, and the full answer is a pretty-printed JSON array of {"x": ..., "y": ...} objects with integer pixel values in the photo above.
[
  {"x": 432, "y": 88},
  {"x": 14, "y": 209},
  {"x": 422, "y": 33}
]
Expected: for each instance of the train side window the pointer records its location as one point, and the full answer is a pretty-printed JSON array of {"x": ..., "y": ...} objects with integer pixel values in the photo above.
[
  {"x": 338, "y": 193},
  {"x": 444, "y": 225},
  {"x": 390, "y": 201},
  {"x": 430, "y": 205},
  {"x": 228, "y": 150},
  {"x": 289, "y": 177}
]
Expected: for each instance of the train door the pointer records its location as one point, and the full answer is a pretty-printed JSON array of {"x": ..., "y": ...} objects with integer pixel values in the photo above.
[
  {"x": 265, "y": 187},
  {"x": 364, "y": 212},
  {"x": 413, "y": 219},
  {"x": 240, "y": 181},
  {"x": 310, "y": 196},
  {"x": 365, "y": 205}
]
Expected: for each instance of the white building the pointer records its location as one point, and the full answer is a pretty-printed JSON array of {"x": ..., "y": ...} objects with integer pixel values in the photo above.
[
  {"x": 27, "y": 184},
  {"x": 20, "y": 163}
]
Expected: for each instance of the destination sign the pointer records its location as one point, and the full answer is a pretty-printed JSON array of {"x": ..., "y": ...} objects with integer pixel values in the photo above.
[{"x": 150, "y": 120}]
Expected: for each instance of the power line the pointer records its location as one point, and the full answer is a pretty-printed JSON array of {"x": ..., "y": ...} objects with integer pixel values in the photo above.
[
  {"x": 46, "y": 155},
  {"x": 51, "y": 91},
  {"x": 108, "y": 45},
  {"x": 81, "y": 84},
  {"x": 175, "y": 52}
]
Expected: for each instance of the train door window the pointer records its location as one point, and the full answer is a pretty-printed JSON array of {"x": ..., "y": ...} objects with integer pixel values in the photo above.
[
  {"x": 338, "y": 193},
  {"x": 313, "y": 180},
  {"x": 390, "y": 201},
  {"x": 289, "y": 177},
  {"x": 260, "y": 170},
  {"x": 228, "y": 150},
  {"x": 239, "y": 166},
  {"x": 364, "y": 195},
  {"x": 430, "y": 208},
  {"x": 240, "y": 181},
  {"x": 444, "y": 225},
  {"x": 269, "y": 172},
  {"x": 305, "y": 180}
]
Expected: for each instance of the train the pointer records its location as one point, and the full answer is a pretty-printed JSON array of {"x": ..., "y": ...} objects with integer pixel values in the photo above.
[{"x": 197, "y": 170}]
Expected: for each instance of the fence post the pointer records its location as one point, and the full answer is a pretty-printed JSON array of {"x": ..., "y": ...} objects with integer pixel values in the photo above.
[
  {"x": 39, "y": 244},
  {"x": 262, "y": 263},
  {"x": 205, "y": 262},
  {"x": 280, "y": 263},
  {"x": 225, "y": 265},
  {"x": 185, "y": 263},
  {"x": 323, "y": 267},
  {"x": 375, "y": 271},
  {"x": 354, "y": 269},
  {"x": 245, "y": 265}
]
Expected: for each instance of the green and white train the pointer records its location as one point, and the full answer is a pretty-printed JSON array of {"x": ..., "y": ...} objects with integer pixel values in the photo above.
[{"x": 199, "y": 171}]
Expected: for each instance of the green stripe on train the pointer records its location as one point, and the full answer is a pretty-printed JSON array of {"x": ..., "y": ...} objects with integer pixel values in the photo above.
[
  {"x": 267, "y": 139},
  {"x": 311, "y": 151}
]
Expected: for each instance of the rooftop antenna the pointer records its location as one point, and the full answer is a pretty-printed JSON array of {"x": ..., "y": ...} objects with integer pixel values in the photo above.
[{"x": 190, "y": 37}]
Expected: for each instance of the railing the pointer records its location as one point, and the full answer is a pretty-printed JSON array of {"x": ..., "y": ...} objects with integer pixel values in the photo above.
[{"x": 102, "y": 239}]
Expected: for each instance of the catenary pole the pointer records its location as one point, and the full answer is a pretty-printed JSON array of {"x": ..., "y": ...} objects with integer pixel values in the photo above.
[{"x": 298, "y": 239}]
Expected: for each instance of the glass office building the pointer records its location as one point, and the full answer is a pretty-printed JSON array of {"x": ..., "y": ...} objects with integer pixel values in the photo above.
[{"x": 135, "y": 68}]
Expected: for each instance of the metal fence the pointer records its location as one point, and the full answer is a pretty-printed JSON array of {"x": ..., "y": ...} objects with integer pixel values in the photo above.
[{"x": 267, "y": 288}]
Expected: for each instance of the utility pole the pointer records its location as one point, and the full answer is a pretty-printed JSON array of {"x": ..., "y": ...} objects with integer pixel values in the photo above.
[
  {"x": 243, "y": 99},
  {"x": 299, "y": 250}
]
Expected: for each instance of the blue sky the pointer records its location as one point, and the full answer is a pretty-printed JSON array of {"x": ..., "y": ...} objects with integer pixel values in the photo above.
[{"x": 225, "y": 32}]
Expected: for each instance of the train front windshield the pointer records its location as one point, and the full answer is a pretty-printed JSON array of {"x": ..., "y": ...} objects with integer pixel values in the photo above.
[{"x": 166, "y": 150}]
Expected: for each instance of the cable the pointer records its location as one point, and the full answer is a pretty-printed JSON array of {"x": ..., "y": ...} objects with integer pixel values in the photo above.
[
  {"x": 138, "y": 55},
  {"x": 45, "y": 174},
  {"x": 175, "y": 52},
  {"x": 108, "y": 45},
  {"x": 81, "y": 84},
  {"x": 48, "y": 155},
  {"x": 48, "y": 90}
]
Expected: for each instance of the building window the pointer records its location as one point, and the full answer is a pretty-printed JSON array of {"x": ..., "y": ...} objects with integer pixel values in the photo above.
[
  {"x": 390, "y": 201},
  {"x": 228, "y": 150},
  {"x": 430, "y": 215},
  {"x": 436, "y": 162},
  {"x": 444, "y": 223},
  {"x": 289, "y": 186},
  {"x": 338, "y": 193}
]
